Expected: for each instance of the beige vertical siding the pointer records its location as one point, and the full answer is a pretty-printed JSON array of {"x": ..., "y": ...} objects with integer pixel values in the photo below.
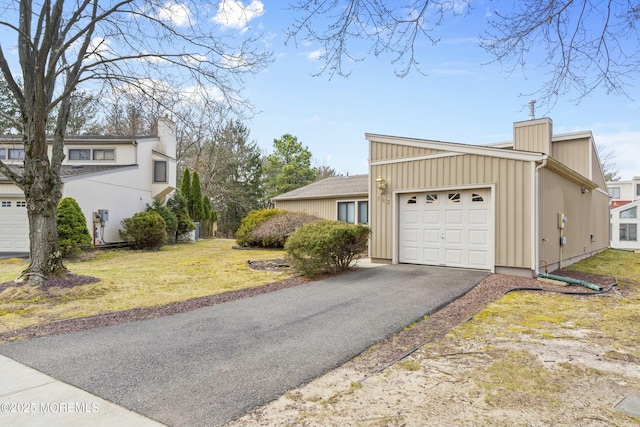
[
  {"x": 587, "y": 215},
  {"x": 322, "y": 208},
  {"x": 533, "y": 135},
  {"x": 512, "y": 198},
  {"x": 382, "y": 151},
  {"x": 574, "y": 154},
  {"x": 597, "y": 175},
  {"x": 8, "y": 188}
]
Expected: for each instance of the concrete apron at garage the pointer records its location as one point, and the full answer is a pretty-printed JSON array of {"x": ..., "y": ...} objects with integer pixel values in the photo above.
[{"x": 212, "y": 365}]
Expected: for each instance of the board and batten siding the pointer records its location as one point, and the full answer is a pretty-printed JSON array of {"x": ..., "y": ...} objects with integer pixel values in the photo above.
[
  {"x": 587, "y": 226},
  {"x": 512, "y": 198},
  {"x": 383, "y": 151},
  {"x": 533, "y": 135},
  {"x": 322, "y": 208},
  {"x": 574, "y": 154}
]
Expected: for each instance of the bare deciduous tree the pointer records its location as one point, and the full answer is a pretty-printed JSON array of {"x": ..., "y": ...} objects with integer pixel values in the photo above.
[
  {"x": 63, "y": 45},
  {"x": 584, "y": 44}
]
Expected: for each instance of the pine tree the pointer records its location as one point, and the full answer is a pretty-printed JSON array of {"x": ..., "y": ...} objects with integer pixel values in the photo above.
[
  {"x": 185, "y": 191},
  {"x": 196, "y": 198}
]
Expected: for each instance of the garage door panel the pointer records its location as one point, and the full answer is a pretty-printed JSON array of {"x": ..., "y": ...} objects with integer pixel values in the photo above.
[
  {"x": 454, "y": 237},
  {"x": 431, "y": 217},
  {"x": 431, "y": 256},
  {"x": 478, "y": 259},
  {"x": 454, "y": 257},
  {"x": 453, "y": 217},
  {"x": 14, "y": 225},
  {"x": 431, "y": 236},
  {"x": 478, "y": 216},
  {"x": 478, "y": 237},
  {"x": 457, "y": 232}
]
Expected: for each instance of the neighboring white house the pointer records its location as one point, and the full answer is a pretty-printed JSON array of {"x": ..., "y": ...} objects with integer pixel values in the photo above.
[
  {"x": 624, "y": 226},
  {"x": 622, "y": 192},
  {"x": 111, "y": 178}
]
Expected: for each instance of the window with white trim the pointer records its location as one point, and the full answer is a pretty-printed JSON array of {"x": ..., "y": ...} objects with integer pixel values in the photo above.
[
  {"x": 363, "y": 212},
  {"x": 614, "y": 192},
  {"x": 629, "y": 213},
  {"x": 629, "y": 232},
  {"x": 159, "y": 171},
  {"x": 21, "y": 204},
  {"x": 16, "y": 153},
  {"x": 79, "y": 154},
  {"x": 431, "y": 199},
  {"x": 104, "y": 154},
  {"x": 5, "y": 204},
  {"x": 347, "y": 212},
  {"x": 3, "y": 153},
  {"x": 454, "y": 198}
]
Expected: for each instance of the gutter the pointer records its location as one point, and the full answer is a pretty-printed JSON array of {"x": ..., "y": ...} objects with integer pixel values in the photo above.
[{"x": 536, "y": 225}]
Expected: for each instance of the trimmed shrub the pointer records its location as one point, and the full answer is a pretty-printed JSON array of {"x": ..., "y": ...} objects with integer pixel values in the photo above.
[
  {"x": 273, "y": 232},
  {"x": 144, "y": 230},
  {"x": 326, "y": 246},
  {"x": 73, "y": 233},
  {"x": 250, "y": 222}
]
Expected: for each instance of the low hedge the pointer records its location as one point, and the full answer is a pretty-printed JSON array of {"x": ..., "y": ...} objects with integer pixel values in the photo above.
[{"x": 326, "y": 246}]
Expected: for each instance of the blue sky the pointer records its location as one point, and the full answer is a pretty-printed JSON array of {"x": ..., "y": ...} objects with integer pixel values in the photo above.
[{"x": 460, "y": 100}]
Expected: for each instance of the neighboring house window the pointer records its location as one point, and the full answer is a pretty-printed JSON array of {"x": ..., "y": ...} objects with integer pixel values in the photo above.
[
  {"x": 16, "y": 153},
  {"x": 629, "y": 232},
  {"x": 3, "y": 153},
  {"x": 159, "y": 171},
  {"x": 79, "y": 154},
  {"x": 629, "y": 213},
  {"x": 109, "y": 154},
  {"x": 614, "y": 192},
  {"x": 363, "y": 212},
  {"x": 347, "y": 212},
  {"x": 638, "y": 190}
]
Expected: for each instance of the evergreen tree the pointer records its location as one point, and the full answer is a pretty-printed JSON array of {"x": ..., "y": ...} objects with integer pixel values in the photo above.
[
  {"x": 73, "y": 232},
  {"x": 185, "y": 191},
  {"x": 288, "y": 167},
  {"x": 178, "y": 205},
  {"x": 196, "y": 198}
]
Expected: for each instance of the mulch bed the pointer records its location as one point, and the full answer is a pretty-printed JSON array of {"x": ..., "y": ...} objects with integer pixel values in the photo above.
[{"x": 394, "y": 347}]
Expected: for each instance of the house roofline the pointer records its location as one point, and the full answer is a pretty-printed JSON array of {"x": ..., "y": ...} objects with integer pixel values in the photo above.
[{"x": 455, "y": 147}]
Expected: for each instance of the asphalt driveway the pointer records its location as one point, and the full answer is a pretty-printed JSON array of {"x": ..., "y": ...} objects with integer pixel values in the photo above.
[{"x": 212, "y": 365}]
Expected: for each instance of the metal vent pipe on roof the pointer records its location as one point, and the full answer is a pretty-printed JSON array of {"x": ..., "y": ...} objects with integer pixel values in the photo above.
[{"x": 532, "y": 109}]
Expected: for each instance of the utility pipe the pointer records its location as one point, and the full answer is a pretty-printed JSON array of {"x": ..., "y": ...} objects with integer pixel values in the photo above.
[{"x": 570, "y": 280}]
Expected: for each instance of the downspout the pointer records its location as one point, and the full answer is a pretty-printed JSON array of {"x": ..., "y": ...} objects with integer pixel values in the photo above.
[{"x": 536, "y": 225}]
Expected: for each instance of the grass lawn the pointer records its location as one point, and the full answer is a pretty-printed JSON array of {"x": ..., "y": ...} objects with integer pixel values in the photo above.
[{"x": 131, "y": 279}]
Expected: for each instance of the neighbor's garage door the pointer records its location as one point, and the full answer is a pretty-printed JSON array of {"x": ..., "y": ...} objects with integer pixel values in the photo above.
[
  {"x": 449, "y": 228},
  {"x": 14, "y": 225}
]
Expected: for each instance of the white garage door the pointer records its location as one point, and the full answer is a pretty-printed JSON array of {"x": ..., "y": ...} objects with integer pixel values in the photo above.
[
  {"x": 14, "y": 225},
  {"x": 449, "y": 228}
]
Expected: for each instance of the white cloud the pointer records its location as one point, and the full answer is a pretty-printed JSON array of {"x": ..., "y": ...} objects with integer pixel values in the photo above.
[
  {"x": 313, "y": 119},
  {"x": 234, "y": 14},
  {"x": 314, "y": 54},
  {"x": 176, "y": 13}
]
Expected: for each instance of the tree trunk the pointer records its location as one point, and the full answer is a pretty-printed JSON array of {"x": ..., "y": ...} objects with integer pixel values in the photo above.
[{"x": 42, "y": 204}]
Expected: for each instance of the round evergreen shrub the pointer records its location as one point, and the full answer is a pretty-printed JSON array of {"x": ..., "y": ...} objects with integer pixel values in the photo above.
[
  {"x": 144, "y": 230},
  {"x": 250, "y": 222},
  {"x": 170, "y": 219},
  {"x": 273, "y": 232},
  {"x": 326, "y": 246},
  {"x": 73, "y": 233}
]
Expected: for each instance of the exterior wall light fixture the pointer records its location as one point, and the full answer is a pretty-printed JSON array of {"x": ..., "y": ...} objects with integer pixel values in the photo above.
[{"x": 381, "y": 184}]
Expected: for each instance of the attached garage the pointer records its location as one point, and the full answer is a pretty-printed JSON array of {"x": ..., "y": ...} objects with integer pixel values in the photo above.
[
  {"x": 14, "y": 225},
  {"x": 452, "y": 228}
]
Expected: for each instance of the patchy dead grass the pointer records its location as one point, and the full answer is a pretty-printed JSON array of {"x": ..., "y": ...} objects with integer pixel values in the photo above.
[{"x": 133, "y": 279}]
